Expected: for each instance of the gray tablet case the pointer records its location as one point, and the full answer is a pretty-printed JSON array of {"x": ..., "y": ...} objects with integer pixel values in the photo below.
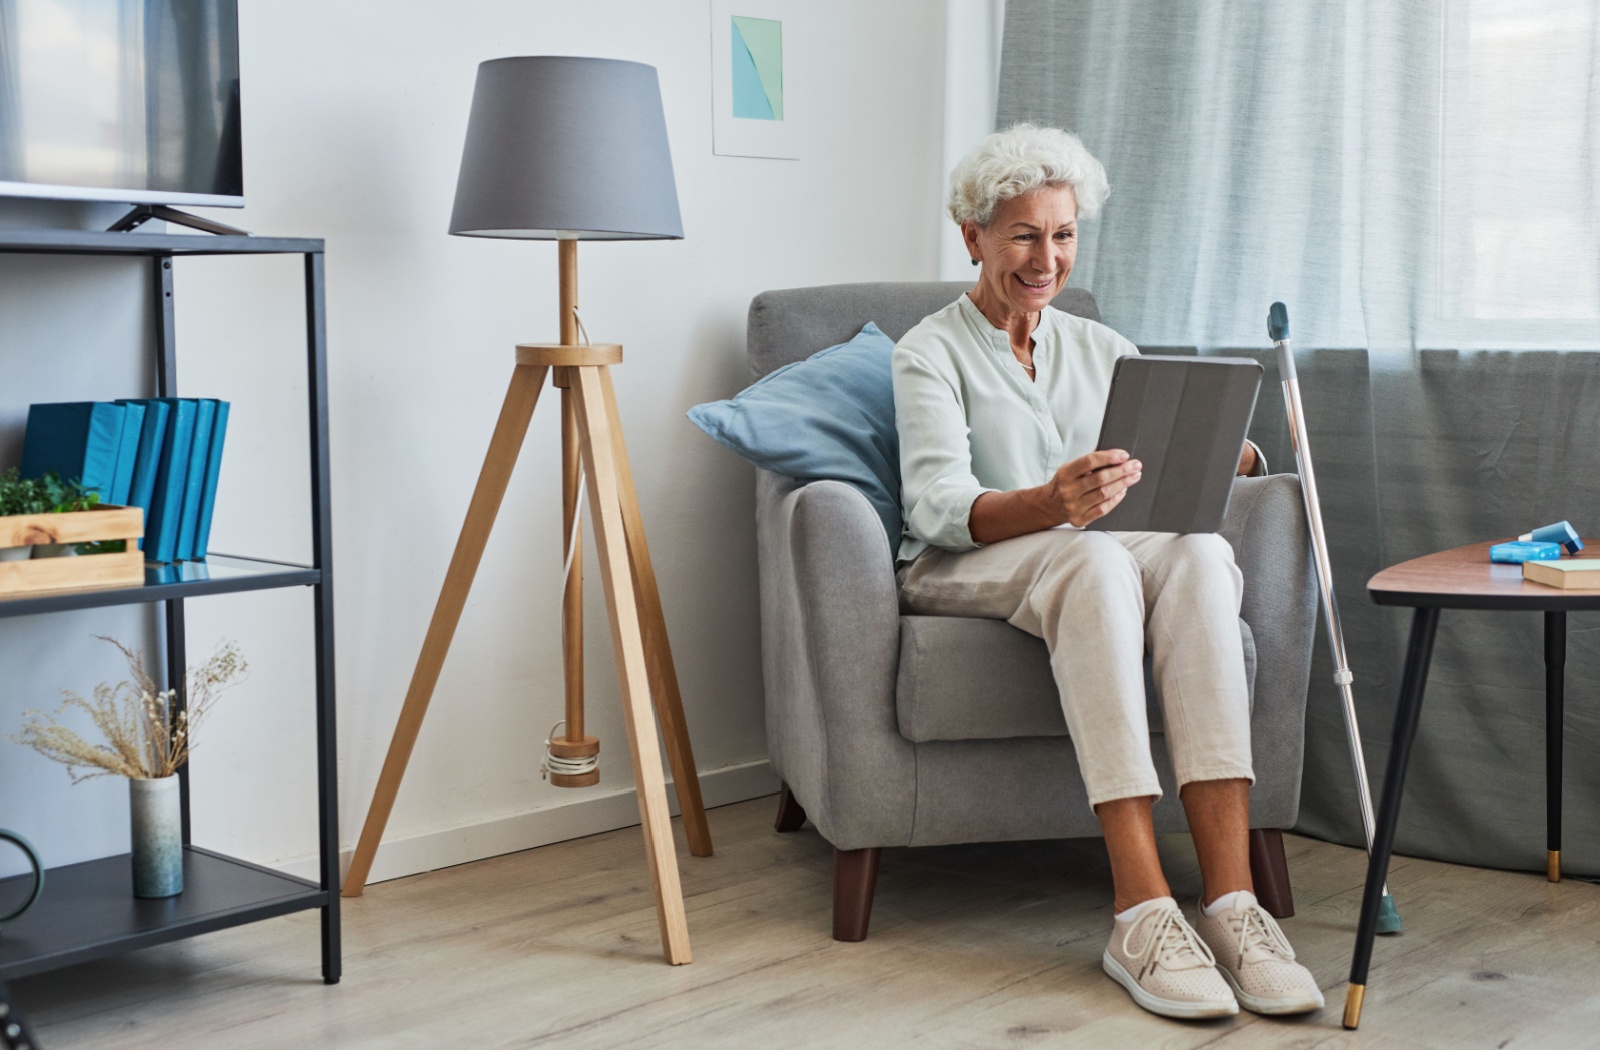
[{"x": 1185, "y": 419}]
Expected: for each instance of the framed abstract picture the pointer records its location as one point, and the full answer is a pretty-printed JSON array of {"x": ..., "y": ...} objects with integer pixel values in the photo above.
[{"x": 753, "y": 78}]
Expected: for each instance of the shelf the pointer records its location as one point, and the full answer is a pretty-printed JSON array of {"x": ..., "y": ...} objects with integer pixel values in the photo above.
[
  {"x": 88, "y": 910},
  {"x": 91, "y": 242},
  {"x": 218, "y": 574}
]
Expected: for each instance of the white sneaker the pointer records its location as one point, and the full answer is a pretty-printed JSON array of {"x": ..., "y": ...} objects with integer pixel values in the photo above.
[
  {"x": 1255, "y": 957},
  {"x": 1167, "y": 969}
]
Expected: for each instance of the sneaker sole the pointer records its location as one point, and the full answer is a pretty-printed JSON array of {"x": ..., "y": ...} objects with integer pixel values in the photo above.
[
  {"x": 1182, "y": 1009},
  {"x": 1270, "y": 1007}
]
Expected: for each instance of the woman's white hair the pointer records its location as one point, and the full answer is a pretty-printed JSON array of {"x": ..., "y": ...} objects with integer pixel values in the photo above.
[{"x": 1021, "y": 159}]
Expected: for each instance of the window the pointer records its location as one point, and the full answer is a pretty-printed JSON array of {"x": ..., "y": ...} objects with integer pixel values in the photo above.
[{"x": 1518, "y": 253}]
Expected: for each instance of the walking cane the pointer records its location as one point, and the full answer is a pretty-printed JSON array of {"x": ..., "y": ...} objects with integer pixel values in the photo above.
[{"x": 1278, "y": 332}]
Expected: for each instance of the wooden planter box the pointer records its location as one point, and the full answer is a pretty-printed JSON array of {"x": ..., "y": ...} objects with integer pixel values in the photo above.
[{"x": 73, "y": 572}]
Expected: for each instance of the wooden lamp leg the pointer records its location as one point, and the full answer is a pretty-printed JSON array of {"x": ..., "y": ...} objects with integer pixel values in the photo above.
[
  {"x": 574, "y": 744},
  {"x": 509, "y": 431},
  {"x": 628, "y": 643},
  {"x": 658, "y": 650}
]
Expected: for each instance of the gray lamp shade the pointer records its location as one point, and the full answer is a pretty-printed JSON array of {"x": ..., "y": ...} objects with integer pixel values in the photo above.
[{"x": 561, "y": 148}]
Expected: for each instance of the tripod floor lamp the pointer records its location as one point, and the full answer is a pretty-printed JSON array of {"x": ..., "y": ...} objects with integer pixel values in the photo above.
[{"x": 570, "y": 149}]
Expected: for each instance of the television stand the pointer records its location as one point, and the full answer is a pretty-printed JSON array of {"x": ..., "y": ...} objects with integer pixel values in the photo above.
[{"x": 145, "y": 212}]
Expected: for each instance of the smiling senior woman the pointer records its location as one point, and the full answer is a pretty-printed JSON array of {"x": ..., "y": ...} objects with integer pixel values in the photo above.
[{"x": 998, "y": 399}]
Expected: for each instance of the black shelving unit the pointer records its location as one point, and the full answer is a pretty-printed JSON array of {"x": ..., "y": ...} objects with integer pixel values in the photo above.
[{"x": 88, "y": 910}]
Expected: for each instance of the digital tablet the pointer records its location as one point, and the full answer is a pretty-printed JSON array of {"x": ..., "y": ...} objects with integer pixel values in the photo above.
[{"x": 1185, "y": 419}]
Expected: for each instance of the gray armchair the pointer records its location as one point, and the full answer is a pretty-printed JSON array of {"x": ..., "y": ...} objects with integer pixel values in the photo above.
[{"x": 896, "y": 730}]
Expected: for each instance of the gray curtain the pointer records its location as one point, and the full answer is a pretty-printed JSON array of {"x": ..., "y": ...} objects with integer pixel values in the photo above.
[{"x": 1418, "y": 182}]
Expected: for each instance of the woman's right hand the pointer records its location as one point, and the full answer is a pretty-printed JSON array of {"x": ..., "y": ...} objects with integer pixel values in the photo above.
[
  {"x": 1091, "y": 486},
  {"x": 1081, "y": 491}
]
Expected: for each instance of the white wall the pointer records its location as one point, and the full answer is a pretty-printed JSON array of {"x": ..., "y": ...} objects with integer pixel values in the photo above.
[
  {"x": 353, "y": 116},
  {"x": 973, "y": 33}
]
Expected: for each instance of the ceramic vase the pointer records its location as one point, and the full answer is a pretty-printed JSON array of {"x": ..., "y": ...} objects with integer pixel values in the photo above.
[{"x": 157, "y": 818}]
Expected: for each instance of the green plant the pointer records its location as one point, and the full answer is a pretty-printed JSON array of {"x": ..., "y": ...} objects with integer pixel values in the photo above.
[
  {"x": 43, "y": 495},
  {"x": 103, "y": 547}
]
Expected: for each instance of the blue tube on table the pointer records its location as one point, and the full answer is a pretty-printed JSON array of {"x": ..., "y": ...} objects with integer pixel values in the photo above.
[{"x": 1561, "y": 532}]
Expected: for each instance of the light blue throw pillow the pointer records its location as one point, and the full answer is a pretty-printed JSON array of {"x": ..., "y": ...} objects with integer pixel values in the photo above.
[{"x": 830, "y": 416}]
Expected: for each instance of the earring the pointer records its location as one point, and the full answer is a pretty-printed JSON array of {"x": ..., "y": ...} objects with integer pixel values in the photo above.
[{"x": 974, "y": 262}]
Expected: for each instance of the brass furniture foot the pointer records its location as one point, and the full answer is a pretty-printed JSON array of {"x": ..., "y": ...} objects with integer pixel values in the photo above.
[{"x": 1352, "y": 1005}]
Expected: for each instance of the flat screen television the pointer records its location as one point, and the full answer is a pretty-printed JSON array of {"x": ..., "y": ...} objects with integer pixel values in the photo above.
[{"x": 121, "y": 100}]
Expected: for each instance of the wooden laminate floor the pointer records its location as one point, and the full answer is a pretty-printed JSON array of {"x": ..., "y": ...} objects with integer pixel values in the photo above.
[{"x": 977, "y": 946}]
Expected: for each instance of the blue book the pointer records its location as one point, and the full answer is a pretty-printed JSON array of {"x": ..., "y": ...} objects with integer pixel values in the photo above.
[
  {"x": 194, "y": 484},
  {"x": 79, "y": 440},
  {"x": 208, "y": 497},
  {"x": 166, "y": 503},
  {"x": 152, "y": 439},
  {"x": 127, "y": 452}
]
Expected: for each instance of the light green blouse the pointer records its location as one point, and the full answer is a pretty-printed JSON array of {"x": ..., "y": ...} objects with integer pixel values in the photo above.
[{"x": 971, "y": 421}]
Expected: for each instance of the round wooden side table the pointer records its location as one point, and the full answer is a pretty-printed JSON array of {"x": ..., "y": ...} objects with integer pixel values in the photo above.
[{"x": 1462, "y": 578}]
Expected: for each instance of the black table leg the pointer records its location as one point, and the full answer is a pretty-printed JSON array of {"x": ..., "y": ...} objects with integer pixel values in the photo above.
[
  {"x": 1555, "y": 661},
  {"x": 1419, "y": 650}
]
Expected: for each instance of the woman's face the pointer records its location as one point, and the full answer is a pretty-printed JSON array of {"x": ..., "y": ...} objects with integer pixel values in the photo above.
[{"x": 1027, "y": 249}]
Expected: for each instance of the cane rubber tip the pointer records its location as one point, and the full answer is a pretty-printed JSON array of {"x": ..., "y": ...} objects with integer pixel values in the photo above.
[
  {"x": 1552, "y": 865},
  {"x": 1388, "y": 916},
  {"x": 1352, "y": 1005},
  {"x": 1278, "y": 322}
]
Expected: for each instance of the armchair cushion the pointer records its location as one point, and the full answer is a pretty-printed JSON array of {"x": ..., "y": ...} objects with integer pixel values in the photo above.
[
  {"x": 828, "y": 417},
  {"x": 963, "y": 678}
]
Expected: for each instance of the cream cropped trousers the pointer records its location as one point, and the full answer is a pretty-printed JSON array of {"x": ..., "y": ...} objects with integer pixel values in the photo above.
[{"x": 1100, "y": 601}]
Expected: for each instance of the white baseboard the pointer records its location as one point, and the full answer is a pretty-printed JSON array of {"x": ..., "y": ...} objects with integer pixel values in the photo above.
[{"x": 432, "y": 850}]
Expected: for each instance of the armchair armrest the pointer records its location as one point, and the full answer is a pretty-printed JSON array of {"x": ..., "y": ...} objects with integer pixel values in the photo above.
[
  {"x": 1266, "y": 525},
  {"x": 830, "y": 640}
]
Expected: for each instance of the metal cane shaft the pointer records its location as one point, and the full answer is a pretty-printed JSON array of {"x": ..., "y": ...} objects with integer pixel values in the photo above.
[{"x": 1324, "y": 568}]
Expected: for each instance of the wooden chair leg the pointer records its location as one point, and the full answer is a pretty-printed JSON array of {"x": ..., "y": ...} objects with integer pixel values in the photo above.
[
  {"x": 855, "y": 879},
  {"x": 627, "y": 642},
  {"x": 658, "y": 650},
  {"x": 521, "y": 397},
  {"x": 1269, "y": 870},
  {"x": 790, "y": 816}
]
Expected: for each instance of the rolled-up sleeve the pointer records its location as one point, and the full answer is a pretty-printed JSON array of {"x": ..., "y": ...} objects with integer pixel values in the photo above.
[{"x": 936, "y": 478}]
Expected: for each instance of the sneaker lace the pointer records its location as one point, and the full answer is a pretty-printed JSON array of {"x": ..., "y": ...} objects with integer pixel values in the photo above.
[
  {"x": 1169, "y": 942},
  {"x": 1257, "y": 929}
]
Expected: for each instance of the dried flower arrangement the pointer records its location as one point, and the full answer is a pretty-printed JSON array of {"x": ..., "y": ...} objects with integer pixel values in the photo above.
[{"x": 145, "y": 738}]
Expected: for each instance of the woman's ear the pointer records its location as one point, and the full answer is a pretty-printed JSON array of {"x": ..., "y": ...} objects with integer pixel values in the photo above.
[{"x": 969, "y": 234}]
